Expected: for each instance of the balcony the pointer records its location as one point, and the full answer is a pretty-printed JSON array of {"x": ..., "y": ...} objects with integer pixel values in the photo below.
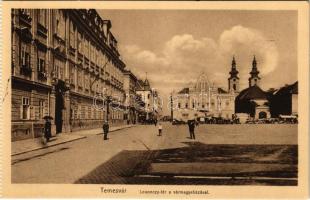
[
  {"x": 41, "y": 30},
  {"x": 26, "y": 70},
  {"x": 25, "y": 34},
  {"x": 42, "y": 76},
  {"x": 72, "y": 50},
  {"x": 59, "y": 39},
  {"x": 25, "y": 17}
]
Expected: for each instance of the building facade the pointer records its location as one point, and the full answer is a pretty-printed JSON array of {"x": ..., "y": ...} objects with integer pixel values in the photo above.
[
  {"x": 61, "y": 61},
  {"x": 132, "y": 107},
  {"x": 203, "y": 100}
]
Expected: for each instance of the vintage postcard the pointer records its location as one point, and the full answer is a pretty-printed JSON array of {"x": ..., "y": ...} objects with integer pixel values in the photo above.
[{"x": 155, "y": 99}]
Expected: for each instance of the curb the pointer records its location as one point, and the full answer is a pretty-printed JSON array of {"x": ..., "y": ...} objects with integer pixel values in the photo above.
[
  {"x": 116, "y": 130},
  {"x": 45, "y": 147},
  {"x": 82, "y": 137}
]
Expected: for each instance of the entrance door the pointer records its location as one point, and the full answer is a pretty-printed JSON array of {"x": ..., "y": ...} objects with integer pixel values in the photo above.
[
  {"x": 262, "y": 115},
  {"x": 58, "y": 112},
  {"x": 59, "y": 105}
]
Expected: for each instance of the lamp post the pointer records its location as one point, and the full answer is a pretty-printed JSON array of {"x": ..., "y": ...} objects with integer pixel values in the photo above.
[
  {"x": 153, "y": 103},
  {"x": 108, "y": 101},
  {"x": 171, "y": 107}
]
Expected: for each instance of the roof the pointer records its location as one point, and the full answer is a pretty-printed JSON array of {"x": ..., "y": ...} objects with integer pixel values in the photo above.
[
  {"x": 143, "y": 85},
  {"x": 288, "y": 89},
  {"x": 140, "y": 85},
  {"x": 221, "y": 91},
  {"x": 128, "y": 72},
  {"x": 251, "y": 93},
  {"x": 184, "y": 91}
]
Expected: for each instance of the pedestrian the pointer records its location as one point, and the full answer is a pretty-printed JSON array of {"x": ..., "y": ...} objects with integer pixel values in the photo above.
[
  {"x": 155, "y": 122},
  {"x": 105, "y": 128},
  {"x": 191, "y": 127},
  {"x": 160, "y": 129},
  {"x": 47, "y": 129}
]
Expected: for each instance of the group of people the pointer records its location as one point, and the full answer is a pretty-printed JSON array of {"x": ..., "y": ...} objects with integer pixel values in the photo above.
[
  {"x": 105, "y": 127},
  {"x": 47, "y": 132},
  {"x": 191, "y": 126}
]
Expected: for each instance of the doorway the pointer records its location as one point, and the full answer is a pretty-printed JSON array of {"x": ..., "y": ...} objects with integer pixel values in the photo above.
[
  {"x": 262, "y": 115},
  {"x": 59, "y": 105}
]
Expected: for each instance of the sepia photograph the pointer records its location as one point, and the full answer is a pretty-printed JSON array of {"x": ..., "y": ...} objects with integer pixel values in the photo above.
[{"x": 115, "y": 98}]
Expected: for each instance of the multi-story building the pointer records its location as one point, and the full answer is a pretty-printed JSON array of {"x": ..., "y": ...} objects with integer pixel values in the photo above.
[
  {"x": 203, "y": 99},
  {"x": 61, "y": 60}
]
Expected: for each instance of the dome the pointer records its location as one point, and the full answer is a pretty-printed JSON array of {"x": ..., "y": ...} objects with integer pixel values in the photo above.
[{"x": 252, "y": 93}]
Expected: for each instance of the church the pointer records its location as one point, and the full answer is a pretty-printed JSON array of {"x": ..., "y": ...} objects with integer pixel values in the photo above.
[
  {"x": 252, "y": 100},
  {"x": 203, "y": 99}
]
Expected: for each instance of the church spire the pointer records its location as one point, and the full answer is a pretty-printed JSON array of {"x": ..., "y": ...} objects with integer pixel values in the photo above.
[
  {"x": 233, "y": 72},
  {"x": 233, "y": 80},
  {"x": 254, "y": 67},
  {"x": 254, "y": 78},
  {"x": 233, "y": 63},
  {"x": 146, "y": 83}
]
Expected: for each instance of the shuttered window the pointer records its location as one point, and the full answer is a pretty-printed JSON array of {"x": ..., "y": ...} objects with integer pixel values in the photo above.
[{"x": 41, "y": 109}]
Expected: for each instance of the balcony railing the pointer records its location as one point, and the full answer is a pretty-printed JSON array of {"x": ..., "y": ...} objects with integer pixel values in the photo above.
[
  {"x": 42, "y": 75},
  {"x": 26, "y": 70}
]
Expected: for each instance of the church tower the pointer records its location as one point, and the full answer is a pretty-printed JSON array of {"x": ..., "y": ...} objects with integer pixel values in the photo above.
[
  {"x": 233, "y": 80},
  {"x": 254, "y": 79}
]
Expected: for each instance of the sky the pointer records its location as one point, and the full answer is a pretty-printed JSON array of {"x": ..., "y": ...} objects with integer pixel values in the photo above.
[{"x": 175, "y": 46}]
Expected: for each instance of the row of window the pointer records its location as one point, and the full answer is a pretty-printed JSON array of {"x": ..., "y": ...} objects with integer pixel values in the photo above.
[
  {"x": 202, "y": 106},
  {"x": 89, "y": 112},
  {"x": 84, "y": 44},
  {"x": 86, "y": 112},
  {"x": 219, "y": 115},
  {"x": 60, "y": 70}
]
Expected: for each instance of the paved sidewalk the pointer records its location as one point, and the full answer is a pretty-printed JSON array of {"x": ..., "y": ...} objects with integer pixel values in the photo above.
[
  {"x": 24, "y": 146},
  {"x": 99, "y": 131}
]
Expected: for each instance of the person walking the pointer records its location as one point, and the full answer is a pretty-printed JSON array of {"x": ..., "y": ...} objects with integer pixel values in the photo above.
[
  {"x": 160, "y": 129},
  {"x": 191, "y": 127},
  {"x": 105, "y": 128},
  {"x": 155, "y": 122},
  {"x": 47, "y": 129}
]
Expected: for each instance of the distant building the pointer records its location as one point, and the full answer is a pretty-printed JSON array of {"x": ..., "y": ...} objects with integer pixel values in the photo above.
[
  {"x": 203, "y": 100},
  {"x": 253, "y": 100},
  {"x": 150, "y": 97},
  {"x": 285, "y": 101}
]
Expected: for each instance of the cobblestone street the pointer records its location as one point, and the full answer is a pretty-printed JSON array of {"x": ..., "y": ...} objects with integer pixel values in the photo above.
[{"x": 138, "y": 156}]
